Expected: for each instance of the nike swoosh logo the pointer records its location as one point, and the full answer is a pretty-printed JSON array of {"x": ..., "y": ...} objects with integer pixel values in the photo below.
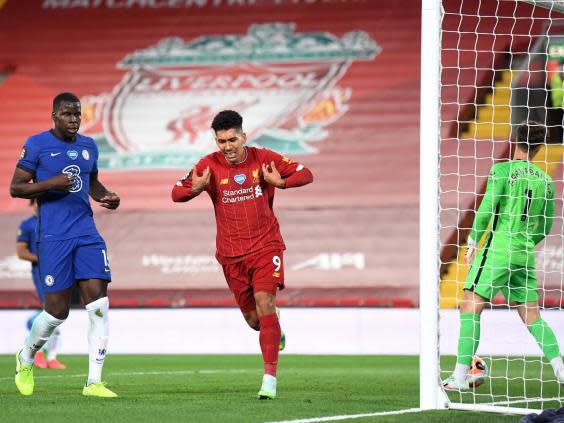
[{"x": 54, "y": 154}]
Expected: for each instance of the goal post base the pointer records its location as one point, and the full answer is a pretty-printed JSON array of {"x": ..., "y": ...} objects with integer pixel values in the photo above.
[{"x": 492, "y": 408}]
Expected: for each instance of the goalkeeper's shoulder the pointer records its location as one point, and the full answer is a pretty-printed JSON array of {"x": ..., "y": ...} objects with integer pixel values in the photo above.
[
  {"x": 500, "y": 168},
  {"x": 500, "y": 172}
]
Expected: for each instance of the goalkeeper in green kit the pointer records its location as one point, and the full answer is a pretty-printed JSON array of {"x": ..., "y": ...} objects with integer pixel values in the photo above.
[{"x": 518, "y": 206}]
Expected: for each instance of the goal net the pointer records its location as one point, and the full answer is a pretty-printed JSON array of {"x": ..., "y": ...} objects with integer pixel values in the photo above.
[{"x": 501, "y": 63}]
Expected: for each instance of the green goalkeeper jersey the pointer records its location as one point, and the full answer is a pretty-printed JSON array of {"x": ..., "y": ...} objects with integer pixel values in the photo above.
[{"x": 518, "y": 206}]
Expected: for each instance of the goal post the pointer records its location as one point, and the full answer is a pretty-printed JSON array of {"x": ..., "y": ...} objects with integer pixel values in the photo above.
[
  {"x": 486, "y": 66},
  {"x": 431, "y": 395}
]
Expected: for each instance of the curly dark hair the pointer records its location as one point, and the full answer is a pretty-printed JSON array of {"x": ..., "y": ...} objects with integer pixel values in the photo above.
[
  {"x": 531, "y": 135},
  {"x": 227, "y": 119}
]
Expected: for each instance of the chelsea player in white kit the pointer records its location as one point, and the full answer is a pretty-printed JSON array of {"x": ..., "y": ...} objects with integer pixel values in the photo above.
[{"x": 59, "y": 168}]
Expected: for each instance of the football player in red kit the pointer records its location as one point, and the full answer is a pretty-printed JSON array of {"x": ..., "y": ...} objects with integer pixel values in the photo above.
[{"x": 241, "y": 182}]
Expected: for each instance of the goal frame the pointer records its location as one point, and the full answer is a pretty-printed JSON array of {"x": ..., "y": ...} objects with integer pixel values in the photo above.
[{"x": 432, "y": 396}]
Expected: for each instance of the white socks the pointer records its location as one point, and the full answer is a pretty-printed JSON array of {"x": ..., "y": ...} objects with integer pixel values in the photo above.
[
  {"x": 97, "y": 337},
  {"x": 557, "y": 365},
  {"x": 43, "y": 326},
  {"x": 460, "y": 372},
  {"x": 52, "y": 345}
]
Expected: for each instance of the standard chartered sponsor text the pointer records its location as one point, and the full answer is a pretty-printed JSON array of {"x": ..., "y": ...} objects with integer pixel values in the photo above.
[{"x": 234, "y": 196}]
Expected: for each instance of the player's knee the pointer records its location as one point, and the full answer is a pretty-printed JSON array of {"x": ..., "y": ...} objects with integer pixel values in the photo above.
[
  {"x": 530, "y": 319},
  {"x": 60, "y": 313},
  {"x": 266, "y": 310},
  {"x": 266, "y": 306}
]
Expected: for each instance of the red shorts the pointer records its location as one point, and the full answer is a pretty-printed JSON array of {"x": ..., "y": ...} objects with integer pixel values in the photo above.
[{"x": 255, "y": 273}]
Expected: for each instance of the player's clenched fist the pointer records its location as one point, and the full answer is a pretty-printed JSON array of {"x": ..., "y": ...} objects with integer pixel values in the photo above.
[
  {"x": 110, "y": 201},
  {"x": 199, "y": 183},
  {"x": 62, "y": 182},
  {"x": 272, "y": 176}
]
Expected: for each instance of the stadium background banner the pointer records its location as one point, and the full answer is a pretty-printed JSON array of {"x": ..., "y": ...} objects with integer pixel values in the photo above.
[{"x": 332, "y": 84}]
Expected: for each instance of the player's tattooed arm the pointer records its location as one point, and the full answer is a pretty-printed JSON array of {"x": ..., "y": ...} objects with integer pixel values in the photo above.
[
  {"x": 107, "y": 199},
  {"x": 22, "y": 185}
]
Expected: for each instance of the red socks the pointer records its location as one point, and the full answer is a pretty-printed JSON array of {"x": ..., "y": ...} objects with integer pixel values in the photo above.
[{"x": 269, "y": 340}]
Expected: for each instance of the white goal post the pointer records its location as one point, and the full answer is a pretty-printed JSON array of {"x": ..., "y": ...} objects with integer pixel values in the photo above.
[
  {"x": 485, "y": 67},
  {"x": 431, "y": 396}
]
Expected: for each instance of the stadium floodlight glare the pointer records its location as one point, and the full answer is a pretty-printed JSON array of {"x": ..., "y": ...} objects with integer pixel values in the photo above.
[{"x": 486, "y": 67}]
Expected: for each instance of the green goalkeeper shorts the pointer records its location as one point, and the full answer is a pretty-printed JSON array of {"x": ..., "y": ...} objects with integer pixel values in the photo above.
[{"x": 492, "y": 271}]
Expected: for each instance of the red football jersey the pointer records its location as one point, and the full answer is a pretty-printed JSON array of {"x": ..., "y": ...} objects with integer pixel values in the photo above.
[{"x": 243, "y": 201}]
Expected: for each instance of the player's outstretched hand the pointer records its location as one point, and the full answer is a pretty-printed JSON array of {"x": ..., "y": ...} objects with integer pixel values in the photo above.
[
  {"x": 272, "y": 176},
  {"x": 63, "y": 182},
  {"x": 199, "y": 183},
  {"x": 110, "y": 201},
  {"x": 470, "y": 250}
]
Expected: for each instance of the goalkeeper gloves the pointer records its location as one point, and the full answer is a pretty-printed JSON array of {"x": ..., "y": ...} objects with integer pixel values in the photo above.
[{"x": 470, "y": 250}]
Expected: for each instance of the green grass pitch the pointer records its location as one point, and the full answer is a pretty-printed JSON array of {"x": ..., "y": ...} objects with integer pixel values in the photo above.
[{"x": 195, "y": 388}]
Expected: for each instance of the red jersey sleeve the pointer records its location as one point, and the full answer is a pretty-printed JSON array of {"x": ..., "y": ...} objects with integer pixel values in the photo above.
[
  {"x": 182, "y": 190},
  {"x": 294, "y": 174}
]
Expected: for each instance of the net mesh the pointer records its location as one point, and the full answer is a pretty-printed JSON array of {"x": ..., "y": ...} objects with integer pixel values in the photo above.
[{"x": 502, "y": 63}]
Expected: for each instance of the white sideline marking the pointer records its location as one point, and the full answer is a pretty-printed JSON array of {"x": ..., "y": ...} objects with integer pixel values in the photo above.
[
  {"x": 351, "y": 416},
  {"x": 178, "y": 372}
]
